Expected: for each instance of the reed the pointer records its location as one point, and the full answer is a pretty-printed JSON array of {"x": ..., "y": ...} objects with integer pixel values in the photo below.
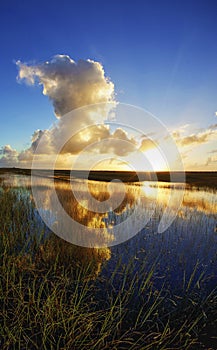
[{"x": 54, "y": 296}]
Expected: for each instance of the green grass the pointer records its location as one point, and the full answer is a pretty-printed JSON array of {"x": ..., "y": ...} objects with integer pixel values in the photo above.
[{"x": 53, "y": 296}]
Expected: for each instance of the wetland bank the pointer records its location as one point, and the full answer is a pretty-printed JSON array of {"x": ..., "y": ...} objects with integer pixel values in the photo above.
[{"x": 154, "y": 291}]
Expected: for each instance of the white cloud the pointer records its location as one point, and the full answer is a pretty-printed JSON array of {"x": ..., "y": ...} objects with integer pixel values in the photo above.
[
  {"x": 7, "y": 150},
  {"x": 197, "y": 138},
  {"x": 8, "y": 156},
  {"x": 69, "y": 84},
  {"x": 211, "y": 161}
]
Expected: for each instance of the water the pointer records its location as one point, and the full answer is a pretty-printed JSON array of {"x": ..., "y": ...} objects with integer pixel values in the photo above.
[{"x": 189, "y": 241}]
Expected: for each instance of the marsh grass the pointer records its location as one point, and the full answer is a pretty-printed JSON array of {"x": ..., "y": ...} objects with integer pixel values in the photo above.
[{"x": 53, "y": 296}]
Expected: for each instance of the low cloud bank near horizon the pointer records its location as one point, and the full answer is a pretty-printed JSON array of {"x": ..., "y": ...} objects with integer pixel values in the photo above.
[
  {"x": 8, "y": 156},
  {"x": 190, "y": 145},
  {"x": 200, "y": 137},
  {"x": 70, "y": 86}
]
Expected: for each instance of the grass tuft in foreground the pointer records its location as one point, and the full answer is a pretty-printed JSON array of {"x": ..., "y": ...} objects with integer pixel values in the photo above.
[{"x": 53, "y": 296}]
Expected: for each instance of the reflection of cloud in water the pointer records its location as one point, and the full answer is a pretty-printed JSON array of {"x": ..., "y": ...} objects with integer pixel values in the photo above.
[
  {"x": 79, "y": 211},
  {"x": 182, "y": 244},
  {"x": 189, "y": 239},
  {"x": 52, "y": 246},
  {"x": 14, "y": 180},
  {"x": 203, "y": 200},
  {"x": 91, "y": 259},
  {"x": 142, "y": 199}
]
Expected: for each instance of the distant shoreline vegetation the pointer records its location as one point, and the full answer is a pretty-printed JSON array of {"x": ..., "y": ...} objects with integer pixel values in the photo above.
[
  {"x": 153, "y": 291},
  {"x": 193, "y": 178}
]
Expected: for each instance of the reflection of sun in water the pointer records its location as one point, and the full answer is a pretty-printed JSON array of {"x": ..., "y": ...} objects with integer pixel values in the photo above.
[{"x": 148, "y": 191}]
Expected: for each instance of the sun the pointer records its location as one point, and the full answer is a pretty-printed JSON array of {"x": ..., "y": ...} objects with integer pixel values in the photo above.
[
  {"x": 156, "y": 159},
  {"x": 150, "y": 160}
]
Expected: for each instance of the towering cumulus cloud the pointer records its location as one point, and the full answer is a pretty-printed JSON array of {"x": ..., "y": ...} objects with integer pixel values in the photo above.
[
  {"x": 83, "y": 99},
  {"x": 71, "y": 85},
  {"x": 68, "y": 84}
]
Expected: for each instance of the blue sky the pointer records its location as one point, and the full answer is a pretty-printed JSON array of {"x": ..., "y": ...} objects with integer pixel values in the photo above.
[{"x": 161, "y": 56}]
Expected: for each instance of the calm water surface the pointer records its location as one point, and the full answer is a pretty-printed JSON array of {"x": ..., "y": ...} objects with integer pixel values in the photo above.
[{"x": 191, "y": 239}]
